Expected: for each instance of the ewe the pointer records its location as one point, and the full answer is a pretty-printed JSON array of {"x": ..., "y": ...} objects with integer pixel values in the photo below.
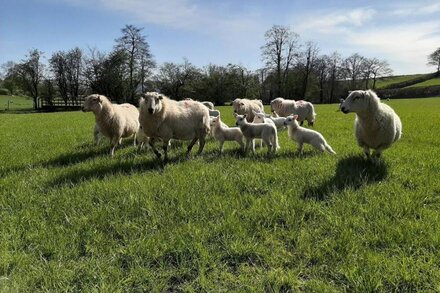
[
  {"x": 303, "y": 109},
  {"x": 112, "y": 120},
  {"x": 303, "y": 135},
  {"x": 377, "y": 126},
  {"x": 266, "y": 131},
  {"x": 222, "y": 133},
  {"x": 246, "y": 106},
  {"x": 165, "y": 119}
]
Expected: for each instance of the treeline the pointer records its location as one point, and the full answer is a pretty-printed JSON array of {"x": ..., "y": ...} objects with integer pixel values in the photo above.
[{"x": 291, "y": 69}]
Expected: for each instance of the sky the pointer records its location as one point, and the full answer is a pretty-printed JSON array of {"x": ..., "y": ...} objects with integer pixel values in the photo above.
[{"x": 228, "y": 31}]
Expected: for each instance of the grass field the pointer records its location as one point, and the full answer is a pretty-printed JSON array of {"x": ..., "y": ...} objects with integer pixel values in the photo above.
[
  {"x": 386, "y": 81},
  {"x": 17, "y": 103},
  {"x": 430, "y": 82},
  {"x": 74, "y": 219}
]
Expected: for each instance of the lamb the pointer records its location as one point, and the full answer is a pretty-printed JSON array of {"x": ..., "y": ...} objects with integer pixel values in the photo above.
[
  {"x": 165, "y": 119},
  {"x": 261, "y": 117},
  {"x": 222, "y": 133},
  {"x": 377, "y": 126},
  {"x": 113, "y": 121},
  {"x": 246, "y": 106},
  {"x": 266, "y": 131},
  {"x": 209, "y": 105},
  {"x": 303, "y": 109},
  {"x": 303, "y": 135},
  {"x": 142, "y": 139}
]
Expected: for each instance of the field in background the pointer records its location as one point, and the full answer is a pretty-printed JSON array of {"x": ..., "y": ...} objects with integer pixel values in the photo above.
[
  {"x": 430, "y": 82},
  {"x": 74, "y": 219},
  {"x": 386, "y": 81},
  {"x": 16, "y": 103}
]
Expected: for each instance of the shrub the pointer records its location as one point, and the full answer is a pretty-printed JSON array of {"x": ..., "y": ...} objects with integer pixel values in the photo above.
[{"x": 4, "y": 91}]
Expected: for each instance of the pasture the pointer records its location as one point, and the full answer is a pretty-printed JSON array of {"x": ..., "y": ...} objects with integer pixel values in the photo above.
[{"x": 75, "y": 219}]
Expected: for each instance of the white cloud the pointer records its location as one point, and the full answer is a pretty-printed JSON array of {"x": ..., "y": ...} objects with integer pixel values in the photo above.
[
  {"x": 418, "y": 9},
  {"x": 335, "y": 21}
]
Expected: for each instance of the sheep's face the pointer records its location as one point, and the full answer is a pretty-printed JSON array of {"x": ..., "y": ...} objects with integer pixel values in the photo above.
[
  {"x": 153, "y": 102},
  {"x": 259, "y": 117},
  {"x": 356, "y": 101},
  {"x": 291, "y": 120},
  {"x": 275, "y": 104},
  {"x": 92, "y": 103},
  {"x": 215, "y": 121},
  {"x": 240, "y": 119},
  {"x": 239, "y": 106}
]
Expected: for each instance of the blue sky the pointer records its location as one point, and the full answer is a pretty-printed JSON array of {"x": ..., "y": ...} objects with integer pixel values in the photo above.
[{"x": 222, "y": 32}]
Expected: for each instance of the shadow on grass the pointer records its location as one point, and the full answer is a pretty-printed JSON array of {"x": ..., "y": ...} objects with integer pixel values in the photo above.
[
  {"x": 102, "y": 171},
  {"x": 351, "y": 172}
]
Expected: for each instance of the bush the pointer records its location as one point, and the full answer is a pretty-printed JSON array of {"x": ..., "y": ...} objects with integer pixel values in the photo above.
[{"x": 4, "y": 91}]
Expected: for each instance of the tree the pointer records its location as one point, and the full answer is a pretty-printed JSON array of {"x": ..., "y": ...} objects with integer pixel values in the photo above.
[
  {"x": 10, "y": 77},
  {"x": 353, "y": 66},
  {"x": 139, "y": 61},
  {"x": 334, "y": 65},
  {"x": 434, "y": 59},
  {"x": 306, "y": 63},
  {"x": 379, "y": 68},
  {"x": 30, "y": 72},
  {"x": 279, "y": 53},
  {"x": 58, "y": 65},
  {"x": 322, "y": 64}
]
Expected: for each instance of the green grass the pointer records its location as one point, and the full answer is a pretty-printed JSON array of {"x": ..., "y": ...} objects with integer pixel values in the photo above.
[
  {"x": 430, "y": 82},
  {"x": 17, "y": 103},
  {"x": 386, "y": 81},
  {"x": 74, "y": 219}
]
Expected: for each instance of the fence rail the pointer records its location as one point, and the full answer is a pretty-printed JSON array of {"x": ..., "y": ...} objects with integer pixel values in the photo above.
[{"x": 59, "y": 103}]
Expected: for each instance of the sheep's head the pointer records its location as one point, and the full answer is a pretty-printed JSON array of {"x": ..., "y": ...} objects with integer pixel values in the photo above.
[
  {"x": 240, "y": 119},
  {"x": 275, "y": 104},
  {"x": 292, "y": 120},
  {"x": 92, "y": 103},
  {"x": 239, "y": 106},
  {"x": 259, "y": 117},
  {"x": 357, "y": 101},
  {"x": 152, "y": 102},
  {"x": 214, "y": 121}
]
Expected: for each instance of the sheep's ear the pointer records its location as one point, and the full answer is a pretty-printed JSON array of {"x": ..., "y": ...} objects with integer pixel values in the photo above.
[
  {"x": 242, "y": 104},
  {"x": 295, "y": 117},
  {"x": 160, "y": 97},
  {"x": 245, "y": 115},
  {"x": 97, "y": 98},
  {"x": 235, "y": 114}
]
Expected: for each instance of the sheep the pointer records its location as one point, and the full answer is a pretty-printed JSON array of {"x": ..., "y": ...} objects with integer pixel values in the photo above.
[
  {"x": 165, "y": 119},
  {"x": 97, "y": 135},
  {"x": 113, "y": 121},
  {"x": 303, "y": 135},
  {"x": 377, "y": 126},
  {"x": 266, "y": 131},
  {"x": 246, "y": 106},
  {"x": 303, "y": 109},
  {"x": 261, "y": 117},
  {"x": 208, "y": 104},
  {"x": 142, "y": 139},
  {"x": 222, "y": 133}
]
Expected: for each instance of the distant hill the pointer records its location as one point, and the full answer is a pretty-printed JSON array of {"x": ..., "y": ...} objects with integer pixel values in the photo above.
[{"x": 409, "y": 86}]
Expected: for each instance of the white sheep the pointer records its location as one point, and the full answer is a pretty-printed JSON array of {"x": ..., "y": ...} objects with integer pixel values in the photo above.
[
  {"x": 261, "y": 117},
  {"x": 246, "y": 106},
  {"x": 303, "y": 109},
  {"x": 142, "y": 138},
  {"x": 222, "y": 133},
  {"x": 165, "y": 119},
  {"x": 303, "y": 135},
  {"x": 377, "y": 126},
  {"x": 208, "y": 104},
  {"x": 97, "y": 135},
  {"x": 113, "y": 121},
  {"x": 266, "y": 131}
]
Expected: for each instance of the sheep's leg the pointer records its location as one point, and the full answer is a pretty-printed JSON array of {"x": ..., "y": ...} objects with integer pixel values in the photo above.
[
  {"x": 165, "y": 149},
  {"x": 134, "y": 139},
  {"x": 248, "y": 141},
  {"x": 201, "y": 144},
  {"x": 300, "y": 148},
  {"x": 269, "y": 146},
  {"x": 377, "y": 153},
  {"x": 222, "y": 142},
  {"x": 190, "y": 146},
  {"x": 240, "y": 141},
  {"x": 115, "y": 142},
  {"x": 151, "y": 143},
  {"x": 96, "y": 136},
  {"x": 253, "y": 146}
]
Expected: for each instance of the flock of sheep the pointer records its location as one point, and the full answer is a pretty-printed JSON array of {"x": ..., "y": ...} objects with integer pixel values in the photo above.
[{"x": 160, "y": 118}]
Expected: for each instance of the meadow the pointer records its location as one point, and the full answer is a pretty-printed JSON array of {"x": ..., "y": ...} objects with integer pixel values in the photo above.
[{"x": 75, "y": 219}]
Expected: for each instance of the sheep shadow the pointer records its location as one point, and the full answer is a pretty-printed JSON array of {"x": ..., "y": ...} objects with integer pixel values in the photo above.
[
  {"x": 353, "y": 172},
  {"x": 120, "y": 167},
  {"x": 85, "y": 152}
]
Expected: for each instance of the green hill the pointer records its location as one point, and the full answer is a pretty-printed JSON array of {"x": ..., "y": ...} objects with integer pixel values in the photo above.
[
  {"x": 390, "y": 80},
  {"x": 429, "y": 82}
]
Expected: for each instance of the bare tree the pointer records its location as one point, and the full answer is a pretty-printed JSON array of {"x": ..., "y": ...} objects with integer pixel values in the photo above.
[
  {"x": 74, "y": 71},
  {"x": 58, "y": 65},
  {"x": 434, "y": 59},
  {"x": 306, "y": 63},
  {"x": 379, "y": 68},
  {"x": 353, "y": 66},
  {"x": 334, "y": 65},
  {"x": 322, "y": 70},
  {"x": 30, "y": 72},
  {"x": 140, "y": 60},
  {"x": 279, "y": 53}
]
